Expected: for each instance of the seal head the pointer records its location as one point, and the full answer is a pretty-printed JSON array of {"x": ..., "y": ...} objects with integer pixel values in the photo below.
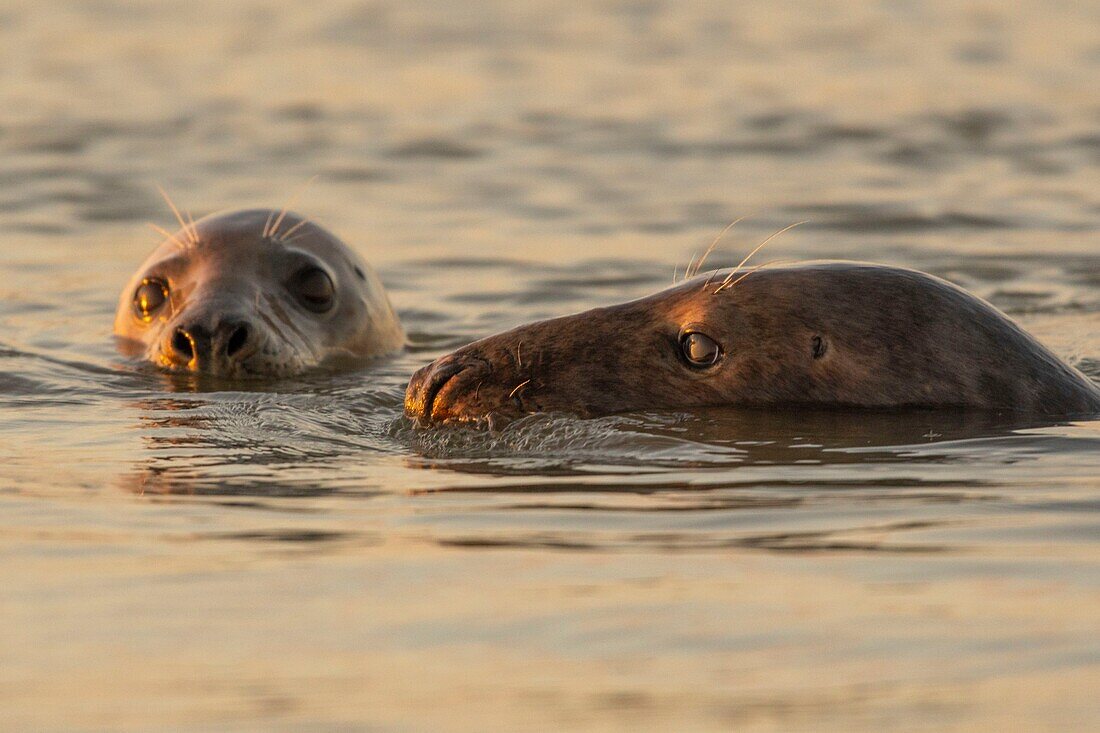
[
  {"x": 230, "y": 297},
  {"x": 818, "y": 334}
]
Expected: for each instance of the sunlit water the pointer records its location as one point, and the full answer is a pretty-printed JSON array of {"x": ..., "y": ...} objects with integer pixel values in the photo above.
[{"x": 296, "y": 556}]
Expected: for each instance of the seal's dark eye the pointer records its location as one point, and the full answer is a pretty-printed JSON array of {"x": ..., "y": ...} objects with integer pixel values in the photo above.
[
  {"x": 149, "y": 297},
  {"x": 699, "y": 349},
  {"x": 314, "y": 289}
]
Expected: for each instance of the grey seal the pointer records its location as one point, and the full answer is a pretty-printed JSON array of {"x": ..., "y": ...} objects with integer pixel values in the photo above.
[{"x": 254, "y": 293}]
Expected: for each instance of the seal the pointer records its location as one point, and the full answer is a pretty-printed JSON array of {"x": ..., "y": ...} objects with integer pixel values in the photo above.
[
  {"x": 254, "y": 293},
  {"x": 822, "y": 334}
]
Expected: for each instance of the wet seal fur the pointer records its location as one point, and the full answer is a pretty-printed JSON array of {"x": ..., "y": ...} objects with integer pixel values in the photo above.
[
  {"x": 254, "y": 293},
  {"x": 822, "y": 334}
]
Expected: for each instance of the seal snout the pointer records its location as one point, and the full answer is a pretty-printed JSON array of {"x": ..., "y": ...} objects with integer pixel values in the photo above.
[
  {"x": 437, "y": 392},
  {"x": 205, "y": 349}
]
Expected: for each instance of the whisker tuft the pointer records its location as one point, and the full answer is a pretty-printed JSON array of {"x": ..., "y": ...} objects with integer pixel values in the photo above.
[
  {"x": 183, "y": 224},
  {"x": 706, "y": 253},
  {"x": 729, "y": 278},
  {"x": 286, "y": 207}
]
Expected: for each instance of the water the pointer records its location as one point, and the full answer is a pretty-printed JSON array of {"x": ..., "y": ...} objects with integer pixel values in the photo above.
[{"x": 295, "y": 556}]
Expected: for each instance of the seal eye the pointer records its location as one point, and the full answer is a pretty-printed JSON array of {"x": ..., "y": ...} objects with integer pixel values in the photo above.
[
  {"x": 149, "y": 297},
  {"x": 314, "y": 289},
  {"x": 699, "y": 349}
]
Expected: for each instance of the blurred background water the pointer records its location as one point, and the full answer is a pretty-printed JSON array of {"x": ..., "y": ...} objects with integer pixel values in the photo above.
[{"x": 295, "y": 556}]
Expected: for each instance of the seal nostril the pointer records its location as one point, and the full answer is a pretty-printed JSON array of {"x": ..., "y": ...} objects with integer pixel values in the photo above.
[
  {"x": 435, "y": 381},
  {"x": 237, "y": 340},
  {"x": 437, "y": 392},
  {"x": 181, "y": 343}
]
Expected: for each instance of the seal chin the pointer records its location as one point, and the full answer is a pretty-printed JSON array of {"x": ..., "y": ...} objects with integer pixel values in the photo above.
[
  {"x": 257, "y": 368},
  {"x": 449, "y": 390}
]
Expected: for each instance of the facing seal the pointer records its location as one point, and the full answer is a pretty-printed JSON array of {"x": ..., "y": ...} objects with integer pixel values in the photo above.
[
  {"x": 816, "y": 334},
  {"x": 255, "y": 293}
]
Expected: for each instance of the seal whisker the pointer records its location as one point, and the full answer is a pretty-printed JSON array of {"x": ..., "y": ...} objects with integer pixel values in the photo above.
[
  {"x": 267, "y": 224},
  {"x": 687, "y": 270},
  {"x": 739, "y": 265},
  {"x": 286, "y": 207},
  {"x": 753, "y": 269},
  {"x": 290, "y": 232},
  {"x": 518, "y": 387},
  {"x": 176, "y": 211},
  {"x": 729, "y": 278},
  {"x": 193, "y": 232},
  {"x": 706, "y": 253},
  {"x": 167, "y": 235}
]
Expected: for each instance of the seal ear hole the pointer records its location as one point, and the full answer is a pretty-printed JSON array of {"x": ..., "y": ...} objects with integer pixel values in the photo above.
[
  {"x": 818, "y": 347},
  {"x": 359, "y": 273}
]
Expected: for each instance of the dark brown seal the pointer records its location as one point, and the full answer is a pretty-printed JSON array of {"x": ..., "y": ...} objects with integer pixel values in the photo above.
[{"x": 816, "y": 334}]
